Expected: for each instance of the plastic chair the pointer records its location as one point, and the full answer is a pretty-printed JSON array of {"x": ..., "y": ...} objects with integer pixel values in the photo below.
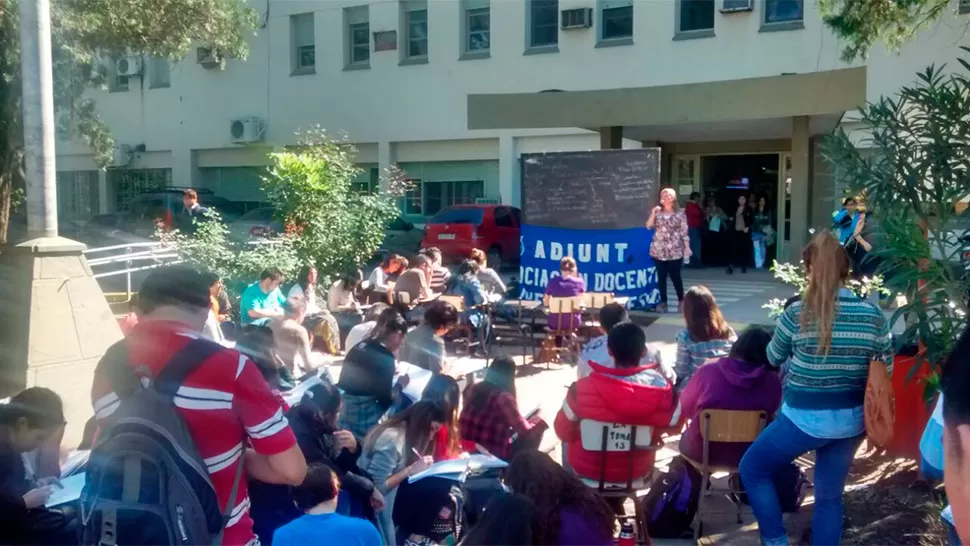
[
  {"x": 726, "y": 426},
  {"x": 601, "y": 437}
]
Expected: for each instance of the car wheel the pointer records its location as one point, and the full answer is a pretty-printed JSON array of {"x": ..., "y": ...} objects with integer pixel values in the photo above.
[{"x": 495, "y": 258}]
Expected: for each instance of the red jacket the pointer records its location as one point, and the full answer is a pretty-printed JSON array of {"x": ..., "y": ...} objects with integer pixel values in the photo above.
[
  {"x": 695, "y": 215},
  {"x": 629, "y": 396}
]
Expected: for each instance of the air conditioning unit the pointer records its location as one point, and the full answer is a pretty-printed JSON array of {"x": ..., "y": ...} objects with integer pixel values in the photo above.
[
  {"x": 577, "y": 18},
  {"x": 210, "y": 59},
  {"x": 246, "y": 130},
  {"x": 120, "y": 155},
  {"x": 734, "y": 6},
  {"x": 128, "y": 66}
]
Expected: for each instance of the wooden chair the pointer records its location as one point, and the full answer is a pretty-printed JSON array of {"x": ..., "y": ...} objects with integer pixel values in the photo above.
[
  {"x": 463, "y": 334},
  {"x": 564, "y": 331},
  {"x": 592, "y": 303},
  {"x": 601, "y": 437},
  {"x": 726, "y": 426}
]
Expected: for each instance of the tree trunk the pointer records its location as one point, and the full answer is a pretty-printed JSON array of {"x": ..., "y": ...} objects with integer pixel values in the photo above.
[{"x": 6, "y": 192}]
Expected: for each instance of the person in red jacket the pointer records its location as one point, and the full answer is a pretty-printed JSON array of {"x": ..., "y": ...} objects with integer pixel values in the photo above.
[
  {"x": 696, "y": 221},
  {"x": 629, "y": 394}
]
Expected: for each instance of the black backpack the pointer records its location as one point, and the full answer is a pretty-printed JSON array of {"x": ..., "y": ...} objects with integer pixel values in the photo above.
[
  {"x": 146, "y": 482},
  {"x": 671, "y": 504}
]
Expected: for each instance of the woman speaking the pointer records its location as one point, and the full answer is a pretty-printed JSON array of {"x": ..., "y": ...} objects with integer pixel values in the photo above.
[{"x": 670, "y": 245}]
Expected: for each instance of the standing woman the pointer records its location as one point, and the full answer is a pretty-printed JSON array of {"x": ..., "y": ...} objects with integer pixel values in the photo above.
[
  {"x": 831, "y": 335},
  {"x": 760, "y": 222},
  {"x": 740, "y": 230},
  {"x": 670, "y": 246}
]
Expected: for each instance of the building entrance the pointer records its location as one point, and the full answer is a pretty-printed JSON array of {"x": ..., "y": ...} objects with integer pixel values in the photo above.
[{"x": 724, "y": 179}]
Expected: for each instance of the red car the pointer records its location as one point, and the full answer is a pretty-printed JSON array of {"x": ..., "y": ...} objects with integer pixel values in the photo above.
[{"x": 492, "y": 228}]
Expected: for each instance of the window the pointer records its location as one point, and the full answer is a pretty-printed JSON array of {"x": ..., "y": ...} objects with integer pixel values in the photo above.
[
  {"x": 543, "y": 23},
  {"x": 472, "y": 216},
  {"x": 964, "y": 6},
  {"x": 367, "y": 181},
  {"x": 695, "y": 16},
  {"x": 784, "y": 11},
  {"x": 477, "y": 25},
  {"x": 160, "y": 72},
  {"x": 616, "y": 19},
  {"x": 503, "y": 218},
  {"x": 358, "y": 36},
  {"x": 439, "y": 195},
  {"x": 415, "y": 30},
  {"x": 412, "y": 199},
  {"x": 304, "y": 59}
]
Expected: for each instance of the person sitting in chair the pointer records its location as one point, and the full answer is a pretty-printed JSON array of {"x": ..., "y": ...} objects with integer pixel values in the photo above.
[{"x": 628, "y": 394}]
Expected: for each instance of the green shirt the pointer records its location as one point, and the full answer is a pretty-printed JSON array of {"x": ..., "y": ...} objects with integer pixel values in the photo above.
[{"x": 255, "y": 298}]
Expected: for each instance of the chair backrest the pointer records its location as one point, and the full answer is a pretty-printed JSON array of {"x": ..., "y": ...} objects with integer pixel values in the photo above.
[
  {"x": 404, "y": 298},
  {"x": 457, "y": 301},
  {"x": 566, "y": 305},
  {"x": 618, "y": 437},
  {"x": 732, "y": 426},
  {"x": 597, "y": 300}
]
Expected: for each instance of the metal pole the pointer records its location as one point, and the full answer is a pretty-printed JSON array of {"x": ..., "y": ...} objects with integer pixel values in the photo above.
[
  {"x": 36, "y": 74},
  {"x": 128, "y": 274}
]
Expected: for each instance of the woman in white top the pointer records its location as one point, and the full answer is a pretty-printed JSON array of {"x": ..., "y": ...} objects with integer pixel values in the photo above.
[
  {"x": 305, "y": 289},
  {"x": 490, "y": 279},
  {"x": 388, "y": 270},
  {"x": 342, "y": 302}
]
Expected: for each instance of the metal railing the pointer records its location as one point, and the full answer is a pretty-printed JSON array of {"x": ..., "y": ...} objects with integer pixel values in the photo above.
[{"x": 128, "y": 255}]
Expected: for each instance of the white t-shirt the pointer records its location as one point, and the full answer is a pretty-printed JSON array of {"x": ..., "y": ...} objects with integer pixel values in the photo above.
[
  {"x": 310, "y": 299},
  {"x": 597, "y": 351},
  {"x": 338, "y": 297},
  {"x": 358, "y": 333},
  {"x": 378, "y": 280}
]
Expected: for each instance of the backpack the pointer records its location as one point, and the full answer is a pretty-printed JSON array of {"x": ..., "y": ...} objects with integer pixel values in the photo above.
[
  {"x": 671, "y": 504},
  {"x": 791, "y": 486},
  {"x": 146, "y": 482},
  {"x": 880, "y": 405}
]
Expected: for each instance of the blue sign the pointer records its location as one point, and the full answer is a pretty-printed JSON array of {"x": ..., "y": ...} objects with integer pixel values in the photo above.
[{"x": 610, "y": 260}]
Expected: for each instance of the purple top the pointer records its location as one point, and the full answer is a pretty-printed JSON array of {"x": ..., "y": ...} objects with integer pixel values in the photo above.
[
  {"x": 727, "y": 384},
  {"x": 577, "y": 530},
  {"x": 565, "y": 287}
]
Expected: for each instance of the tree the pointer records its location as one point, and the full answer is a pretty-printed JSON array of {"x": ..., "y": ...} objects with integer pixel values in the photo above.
[
  {"x": 862, "y": 23},
  {"x": 85, "y": 34},
  {"x": 915, "y": 181},
  {"x": 310, "y": 187}
]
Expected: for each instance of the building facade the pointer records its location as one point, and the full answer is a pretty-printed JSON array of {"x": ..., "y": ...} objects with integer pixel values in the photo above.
[{"x": 734, "y": 92}]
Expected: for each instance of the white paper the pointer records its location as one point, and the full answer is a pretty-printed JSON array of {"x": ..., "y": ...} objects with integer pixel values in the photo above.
[
  {"x": 69, "y": 491},
  {"x": 75, "y": 459},
  {"x": 418, "y": 379},
  {"x": 460, "y": 367},
  {"x": 456, "y": 469}
]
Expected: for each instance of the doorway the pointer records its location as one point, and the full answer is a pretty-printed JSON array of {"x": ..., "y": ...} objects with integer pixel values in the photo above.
[{"x": 723, "y": 180}]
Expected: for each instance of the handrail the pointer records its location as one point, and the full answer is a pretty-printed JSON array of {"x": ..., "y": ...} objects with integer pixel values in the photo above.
[{"x": 125, "y": 246}]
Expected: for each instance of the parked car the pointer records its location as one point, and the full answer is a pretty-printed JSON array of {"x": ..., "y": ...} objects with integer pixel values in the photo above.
[
  {"x": 255, "y": 224},
  {"x": 491, "y": 228},
  {"x": 402, "y": 237}
]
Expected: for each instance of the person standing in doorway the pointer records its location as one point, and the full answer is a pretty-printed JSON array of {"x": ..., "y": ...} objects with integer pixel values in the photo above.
[
  {"x": 759, "y": 235},
  {"x": 696, "y": 220},
  {"x": 741, "y": 236},
  {"x": 670, "y": 246}
]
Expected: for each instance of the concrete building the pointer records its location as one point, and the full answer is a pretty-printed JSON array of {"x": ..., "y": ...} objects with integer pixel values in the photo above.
[{"x": 735, "y": 92}]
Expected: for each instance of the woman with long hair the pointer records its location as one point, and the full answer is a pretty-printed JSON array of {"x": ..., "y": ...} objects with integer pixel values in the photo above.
[
  {"x": 568, "y": 284},
  {"x": 305, "y": 288},
  {"x": 566, "y": 510},
  {"x": 444, "y": 391},
  {"x": 490, "y": 419},
  {"x": 831, "y": 335},
  {"x": 490, "y": 279},
  {"x": 506, "y": 521},
  {"x": 762, "y": 226},
  {"x": 390, "y": 268},
  {"x": 397, "y": 449},
  {"x": 706, "y": 336},
  {"x": 740, "y": 229},
  {"x": 670, "y": 245}
]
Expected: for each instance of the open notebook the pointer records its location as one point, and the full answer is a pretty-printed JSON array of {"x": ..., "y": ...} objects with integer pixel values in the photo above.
[{"x": 457, "y": 469}]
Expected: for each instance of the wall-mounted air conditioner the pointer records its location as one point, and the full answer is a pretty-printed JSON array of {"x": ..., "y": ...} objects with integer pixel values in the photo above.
[
  {"x": 128, "y": 66},
  {"x": 246, "y": 130},
  {"x": 210, "y": 59},
  {"x": 577, "y": 18}
]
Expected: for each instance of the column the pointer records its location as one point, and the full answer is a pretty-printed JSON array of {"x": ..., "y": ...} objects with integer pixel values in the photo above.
[
  {"x": 611, "y": 138},
  {"x": 384, "y": 160},
  {"x": 103, "y": 205},
  {"x": 799, "y": 186},
  {"x": 508, "y": 169}
]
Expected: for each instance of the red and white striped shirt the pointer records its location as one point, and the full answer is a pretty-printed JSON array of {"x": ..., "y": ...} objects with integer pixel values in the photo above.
[{"x": 226, "y": 405}]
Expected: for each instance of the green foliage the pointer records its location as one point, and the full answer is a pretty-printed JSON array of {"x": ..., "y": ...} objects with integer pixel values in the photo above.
[
  {"x": 85, "y": 34},
  {"x": 335, "y": 227},
  {"x": 238, "y": 265},
  {"x": 797, "y": 276},
  {"x": 862, "y": 23},
  {"x": 912, "y": 182}
]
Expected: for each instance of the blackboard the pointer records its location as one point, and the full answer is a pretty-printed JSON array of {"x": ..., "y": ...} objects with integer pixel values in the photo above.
[{"x": 600, "y": 189}]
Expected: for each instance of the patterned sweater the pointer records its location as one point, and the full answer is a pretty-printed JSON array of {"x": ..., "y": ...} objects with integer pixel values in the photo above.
[{"x": 837, "y": 380}]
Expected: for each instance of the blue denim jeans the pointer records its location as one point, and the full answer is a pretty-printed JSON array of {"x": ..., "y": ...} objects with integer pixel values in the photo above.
[
  {"x": 779, "y": 445},
  {"x": 696, "y": 237}
]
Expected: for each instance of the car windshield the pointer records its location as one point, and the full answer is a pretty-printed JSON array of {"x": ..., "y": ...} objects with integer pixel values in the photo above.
[{"x": 459, "y": 216}]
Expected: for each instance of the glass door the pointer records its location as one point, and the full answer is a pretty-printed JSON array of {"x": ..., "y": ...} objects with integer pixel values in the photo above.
[
  {"x": 784, "y": 207},
  {"x": 686, "y": 177}
]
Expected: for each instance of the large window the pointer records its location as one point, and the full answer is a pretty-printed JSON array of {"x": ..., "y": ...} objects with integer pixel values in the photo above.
[
  {"x": 160, "y": 72},
  {"x": 477, "y": 25},
  {"x": 126, "y": 184},
  {"x": 695, "y": 16},
  {"x": 77, "y": 198},
  {"x": 358, "y": 36},
  {"x": 412, "y": 199},
  {"x": 616, "y": 19},
  {"x": 415, "y": 29},
  {"x": 543, "y": 23},
  {"x": 784, "y": 11},
  {"x": 304, "y": 56},
  {"x": 439, "y": 195}
]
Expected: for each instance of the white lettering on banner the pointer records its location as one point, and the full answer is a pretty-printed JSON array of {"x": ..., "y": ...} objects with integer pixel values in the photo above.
[
  {"x": 603, "y": 253},
  {"x": 540, "y": 251},
  {"x": 583, "y": 252},
  {"x": 620, "y": 249},
  {"x": 555, "y": 251}
]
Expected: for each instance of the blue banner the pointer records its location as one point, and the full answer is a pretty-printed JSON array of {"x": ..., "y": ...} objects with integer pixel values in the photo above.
[{"x": 613, "y": 260}]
